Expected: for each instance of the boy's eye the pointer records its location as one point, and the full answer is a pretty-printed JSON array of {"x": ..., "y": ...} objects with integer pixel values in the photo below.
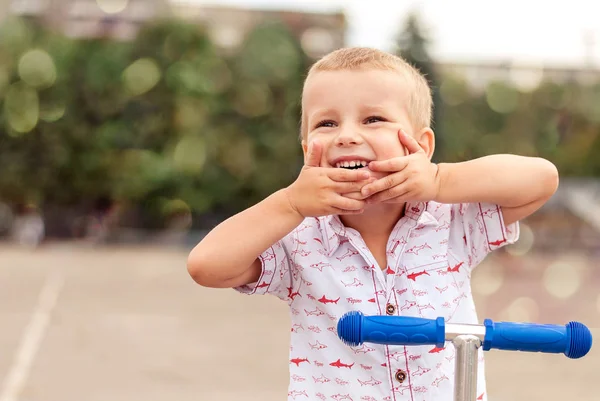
[
  {"x": 325, "y": 123},
  {"x": 374, "y": 119}
]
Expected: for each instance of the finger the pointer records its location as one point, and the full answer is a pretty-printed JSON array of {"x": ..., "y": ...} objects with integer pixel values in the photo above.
[
  {"x": 409, "y": 142},
  {"x": 314, "y": 154},
  {"x": 389, "y": 165},
  {"x": 351, "y": 186},
  {"x": 342, "y": 174},
  {"x": 344, "y": 203},
  {"x": 383, "y": 184},
  {"x": 392, "y": 195},
  {"x": 355, "y": 195}
]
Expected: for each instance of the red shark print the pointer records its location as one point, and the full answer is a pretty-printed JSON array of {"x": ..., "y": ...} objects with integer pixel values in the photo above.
[
  {"x": 368, "y": 398},
  {"x": 307, "y": 283},
  {"x": 420, "y": 371},
  {"x": 297, "y": 393},
  {"x": 297, "y": 327},
  {"x": 420, "y": 389},
  {"x": 368, "y": 268},
  {"x": 295, "y": 311},
  {"x": 441, "y": 289},
  {"x": 481, "y": 396},
  {"x": 444, "y": 226},
  {"x": 292, "y": 295},
  {"x": 321, "y": 396},
  {"x": 316, "y": 312},
  {"x": 498, "y": 242},
  {"x": 263, "y": 284},
  {"x": 371, "y": 382},
  {"x": 456, "y": 267},
  {"x": 301, "y": 252},
  {"x": 311, "y": 296},
  {"x": 332, "y": 329},
  {"x": 339, "y": 364},
  {"x": 328, "y": 301},
  {"x": 372, "y": 300},
  {"x": 413, "y": 276},
  {"x": 435, "y": 350},
  {"x": 298, "y": 361},
  {"x": 349, "y": 269},
  {"x": 354, "y": 283},
  {"x": 400, "y": 389},
  {"x": 364, "y": 349},
  {"x": 417, "y": 249},
  {"x": 321, "y": 379},
  {"x": 317, "y": 345},
  {"x": 349, "y": 253},
  {"x": 314, "y": 329},
  {"x": 341, "y": 397},
  {"x": 446, "y": 305},
  {"x": 390, "y": 271},
  {"x": 423, "y": 307},
  {"x": 320, "y": 265},
  {"x": 438, "y": 380},
  {"x": 407, "y": 305}
]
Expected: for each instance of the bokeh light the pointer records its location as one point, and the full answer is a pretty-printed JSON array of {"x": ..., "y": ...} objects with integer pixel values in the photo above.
[
  {"x": 112, "y": 6},
  {"x": 37, "y": 69},
  {"x": 525, "y": 242},
  {"x": 523, "y": 309},
  {"x": 141, "y": 76},
  {"x": 562, "y": 280},
  {"x": 488, "y": 279},
  {"x": 501, "y": 98},
  {"x": 21, "y": 107},
  {"x": 190, "y": 154}
]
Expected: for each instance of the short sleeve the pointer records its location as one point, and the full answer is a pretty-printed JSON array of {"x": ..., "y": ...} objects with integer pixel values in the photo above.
[
  {"x": 476, "y": 229},
  {"x": 275, "y": 278}
]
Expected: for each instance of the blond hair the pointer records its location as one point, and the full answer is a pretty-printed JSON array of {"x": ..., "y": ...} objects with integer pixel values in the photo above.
[{"x": 420, "y": 103}]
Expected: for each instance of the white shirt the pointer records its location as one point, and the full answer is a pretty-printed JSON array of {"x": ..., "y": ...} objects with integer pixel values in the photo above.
[{"x": 323, "y": 270}]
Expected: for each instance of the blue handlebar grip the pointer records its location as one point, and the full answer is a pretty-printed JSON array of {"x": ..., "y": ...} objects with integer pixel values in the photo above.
[
  {"x": 573, "y": 339},
  {"x": 354, "y": 329}
]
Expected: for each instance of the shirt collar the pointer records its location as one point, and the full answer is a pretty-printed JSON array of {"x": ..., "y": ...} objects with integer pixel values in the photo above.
[{"x": 334, "y": 230}]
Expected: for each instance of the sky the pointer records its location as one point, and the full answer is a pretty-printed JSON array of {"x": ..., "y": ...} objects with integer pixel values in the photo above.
[{"x": 522, "y": 32}]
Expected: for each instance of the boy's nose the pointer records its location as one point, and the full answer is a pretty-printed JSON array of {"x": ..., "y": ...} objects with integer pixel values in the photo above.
[{"x": 348, "y": 137}]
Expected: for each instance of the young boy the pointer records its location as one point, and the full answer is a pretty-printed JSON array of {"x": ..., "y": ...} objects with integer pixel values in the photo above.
[{"x": 371, "y": 224}]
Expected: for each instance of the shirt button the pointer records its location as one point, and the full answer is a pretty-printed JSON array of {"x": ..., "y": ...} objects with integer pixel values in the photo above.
[
  {"x": 390, "y": 309},
  {"x": 400, "y": 375}
]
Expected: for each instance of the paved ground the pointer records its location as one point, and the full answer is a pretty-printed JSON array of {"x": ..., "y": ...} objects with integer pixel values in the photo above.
[{"x": 82, "y": 324}]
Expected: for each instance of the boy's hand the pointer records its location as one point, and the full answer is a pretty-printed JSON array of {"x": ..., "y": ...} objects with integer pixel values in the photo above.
[
  {"x": 412, "y": 177},
  {"x": 319, "y": 191}
]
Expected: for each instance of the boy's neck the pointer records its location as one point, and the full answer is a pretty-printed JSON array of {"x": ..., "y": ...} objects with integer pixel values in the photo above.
[{"x": 377, "y": 221}]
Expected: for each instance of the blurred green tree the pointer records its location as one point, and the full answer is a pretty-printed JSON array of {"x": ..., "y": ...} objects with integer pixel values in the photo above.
[{"x": 412, "y": 44}]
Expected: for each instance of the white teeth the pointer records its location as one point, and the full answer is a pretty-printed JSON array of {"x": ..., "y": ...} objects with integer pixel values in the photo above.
[{"x": 353, "y": 163}]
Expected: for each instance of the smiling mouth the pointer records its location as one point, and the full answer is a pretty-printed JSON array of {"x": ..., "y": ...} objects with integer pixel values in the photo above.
[{"x": 352, "y": 165}]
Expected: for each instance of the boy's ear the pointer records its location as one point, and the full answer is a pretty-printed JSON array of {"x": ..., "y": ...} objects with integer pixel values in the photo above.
[{"x": 426, "y": 139}]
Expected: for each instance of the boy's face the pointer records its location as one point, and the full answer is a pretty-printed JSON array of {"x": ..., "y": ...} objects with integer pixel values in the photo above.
[{"x": 356, "y": 115}]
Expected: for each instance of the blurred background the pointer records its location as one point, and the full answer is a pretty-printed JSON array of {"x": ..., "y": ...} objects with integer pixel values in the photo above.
[{"x": 128, "y": 128}]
